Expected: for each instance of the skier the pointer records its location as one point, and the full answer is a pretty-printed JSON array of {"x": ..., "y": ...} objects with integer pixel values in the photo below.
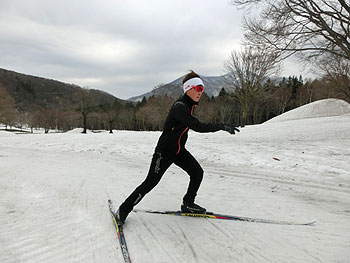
[{"x": 171, "y": 148}]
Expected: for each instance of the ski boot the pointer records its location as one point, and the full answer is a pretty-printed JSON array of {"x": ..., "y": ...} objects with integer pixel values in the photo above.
[
  {"x": 121, "y": 215},
  {"x": 192, "y": 208}
]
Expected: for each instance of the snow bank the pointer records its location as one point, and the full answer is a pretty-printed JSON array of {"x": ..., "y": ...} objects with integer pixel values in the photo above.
[{"x": 321, "y": 108}]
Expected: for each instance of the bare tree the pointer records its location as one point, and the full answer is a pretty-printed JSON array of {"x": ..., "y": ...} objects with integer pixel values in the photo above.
[
  {"x": 306, "y": 93},
  {"x": 307, "y": 27},
  {"x": 127, "y": 117},
  {"x": 279, "y": 99},
  {"x": 336, "y": 71},
  {"x": 8, "y": 114},
  {"x": 249, "y": 68},
  {"x": 224, "y": 109},
  {"x": 48, "y": 119},
  {"x": 110, "y": 113},
  {"x": 85, "y": 105}
]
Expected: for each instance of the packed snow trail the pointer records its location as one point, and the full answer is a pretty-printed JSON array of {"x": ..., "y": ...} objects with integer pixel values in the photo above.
[{"x": 54, "y": 211}]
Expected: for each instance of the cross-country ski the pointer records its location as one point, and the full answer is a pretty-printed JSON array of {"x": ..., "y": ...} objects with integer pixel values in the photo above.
[
  {"x": 120, "y": 233},
  {"x": 212, "y": 215}
]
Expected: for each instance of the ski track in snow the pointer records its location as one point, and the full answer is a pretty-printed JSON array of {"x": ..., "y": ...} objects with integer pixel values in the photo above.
[{"x": 54, "y": 191}]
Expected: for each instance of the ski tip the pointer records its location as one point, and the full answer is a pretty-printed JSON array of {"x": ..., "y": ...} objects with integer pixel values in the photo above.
[
  {"x": 311, "y": 223},
  {"x": 305, "y": 224}
]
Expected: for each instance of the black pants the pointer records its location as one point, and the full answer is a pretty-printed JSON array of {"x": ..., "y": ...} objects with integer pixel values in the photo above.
[{"x": 160, "y": 163}]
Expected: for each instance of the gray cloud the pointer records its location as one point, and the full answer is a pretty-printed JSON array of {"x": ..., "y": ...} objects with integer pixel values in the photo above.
[{"x": 123, "y": 47}]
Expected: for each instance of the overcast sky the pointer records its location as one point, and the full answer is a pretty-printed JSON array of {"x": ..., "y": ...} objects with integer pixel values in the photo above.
[{"x": 124, "y": 47}]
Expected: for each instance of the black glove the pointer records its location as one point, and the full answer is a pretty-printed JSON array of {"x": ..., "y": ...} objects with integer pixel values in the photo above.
[{"x": 230, "y": 128}]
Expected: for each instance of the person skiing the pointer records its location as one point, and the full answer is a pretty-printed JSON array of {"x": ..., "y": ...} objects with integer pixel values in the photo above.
[{"x": 171, "y": 149}]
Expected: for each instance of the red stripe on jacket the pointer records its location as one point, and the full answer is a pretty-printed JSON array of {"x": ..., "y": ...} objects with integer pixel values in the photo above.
[{"x": 179, "y": 141}]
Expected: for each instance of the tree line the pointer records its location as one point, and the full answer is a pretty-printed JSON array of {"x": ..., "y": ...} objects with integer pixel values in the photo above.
[{"x": 272, "y": 98}]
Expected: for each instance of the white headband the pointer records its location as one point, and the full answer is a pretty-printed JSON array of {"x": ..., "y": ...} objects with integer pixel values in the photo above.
[{"x": 189, "y": 84}]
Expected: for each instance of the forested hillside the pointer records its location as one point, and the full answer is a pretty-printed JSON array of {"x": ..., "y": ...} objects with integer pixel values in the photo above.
[
  {"x": 31, "y": 92},
  {"x": 46, "y": 103}
]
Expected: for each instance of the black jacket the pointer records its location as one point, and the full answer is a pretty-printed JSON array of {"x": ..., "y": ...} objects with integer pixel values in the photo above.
[{"x": 177, "y": 124}]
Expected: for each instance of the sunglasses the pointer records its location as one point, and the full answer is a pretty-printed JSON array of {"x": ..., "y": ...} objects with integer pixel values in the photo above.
[{"x": 198, "y": 88}]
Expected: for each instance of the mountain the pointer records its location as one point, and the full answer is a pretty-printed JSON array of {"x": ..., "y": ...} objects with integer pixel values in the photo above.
[
  {"x": 31, "y": 93},
  {"x": 213, "y": 86}
]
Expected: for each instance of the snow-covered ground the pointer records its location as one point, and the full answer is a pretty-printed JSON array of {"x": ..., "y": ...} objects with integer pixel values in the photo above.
[{"x": 54, "y": 190}]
